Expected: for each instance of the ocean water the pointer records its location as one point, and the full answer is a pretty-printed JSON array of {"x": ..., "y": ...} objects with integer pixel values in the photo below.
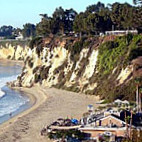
[{"x": 11, "y": 102}]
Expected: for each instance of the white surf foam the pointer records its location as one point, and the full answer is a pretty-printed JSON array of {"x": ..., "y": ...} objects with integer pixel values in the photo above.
[
  {"x": 1, "y": 93},
  {"x": 11, "y": 103},
  {"x": 8, "y": 107},
  {"x": 3, "y": 81}
]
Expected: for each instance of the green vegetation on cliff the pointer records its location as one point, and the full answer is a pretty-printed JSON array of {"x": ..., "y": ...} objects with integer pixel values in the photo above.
[
  {"x": 93, "y": 65},
  {"x": 118, "y": 52},
  {"x": 113, "y": 57}
]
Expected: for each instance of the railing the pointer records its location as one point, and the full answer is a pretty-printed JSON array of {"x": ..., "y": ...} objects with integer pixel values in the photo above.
[{"x": 10, "y": 40}]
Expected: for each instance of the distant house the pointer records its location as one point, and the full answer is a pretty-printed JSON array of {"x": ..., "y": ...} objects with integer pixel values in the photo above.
[
  {"x": 125, "y": 102},
  {"x": 110, "y": 111},
  {"x": 20, "y": 36},
  {"x": 119, "y": 102},
  {"x": 1, "y": 37},
  {"x": 121, "y": 32}
]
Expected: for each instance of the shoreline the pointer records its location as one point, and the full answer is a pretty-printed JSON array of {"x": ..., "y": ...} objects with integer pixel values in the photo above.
[
  {"x": 23, "y": 91},
  {"x": 50, "y": 104},
  {"x": 7, "y": 62},
  {"x": 34, "y": 102},
  {"x": 18, "y": 62}
]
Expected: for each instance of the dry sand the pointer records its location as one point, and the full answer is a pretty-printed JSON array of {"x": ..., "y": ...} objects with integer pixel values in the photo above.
[{"x": 49, "y": 104}]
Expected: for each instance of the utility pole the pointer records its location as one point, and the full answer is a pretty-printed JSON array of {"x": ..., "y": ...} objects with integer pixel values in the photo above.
[
  {"x": 140, "y": 94},
  {"x": 137, "y": 98},
  {"x": 112, "y": 27}
]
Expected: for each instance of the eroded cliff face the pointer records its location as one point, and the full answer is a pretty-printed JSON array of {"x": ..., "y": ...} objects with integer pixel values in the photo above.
[
  {"x": 75, "y": 65},
  {"x": 58, "y": 67},
  {"x": 9, "y": 51}
]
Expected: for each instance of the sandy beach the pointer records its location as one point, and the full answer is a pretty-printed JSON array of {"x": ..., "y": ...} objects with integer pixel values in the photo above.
[
  {"x": 48, "y": 105},
  {"x": 11, "y": 62}
]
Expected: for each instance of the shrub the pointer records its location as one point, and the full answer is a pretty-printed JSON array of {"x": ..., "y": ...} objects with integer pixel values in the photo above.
[
  {"x": 116, "y": 54},
  {"x": 30, "y": 63},
  {"x": 36, "y": 69},
  {"x": 37, "y": 78},
  {"x": 35, "y": 42},
  {"x": 9, "y": 57},
  {"x": 135, "y": 53},
  {"x": 44, "y": 72}
]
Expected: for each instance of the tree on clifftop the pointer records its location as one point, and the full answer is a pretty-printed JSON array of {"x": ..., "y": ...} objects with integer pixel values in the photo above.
[
  {"x": 7, "y": 31},
  {"x": 95, "y": 19},
  {"x": 95, "y": 7},
  {"x": 122, "y": 15},
  {"x": 93, "y": 23},
  {"x": 45, "y": 27},
  {"x": 137, "y": 2},
  {"x": 79, "y": 21},
  {"x": 28, "y": 30},
  {"x": 70, "y": 15},
  {"x": 61, "y": 22}
]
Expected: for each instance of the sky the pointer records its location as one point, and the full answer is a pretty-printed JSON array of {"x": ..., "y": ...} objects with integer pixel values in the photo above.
[{"x": 19, "y": 12}]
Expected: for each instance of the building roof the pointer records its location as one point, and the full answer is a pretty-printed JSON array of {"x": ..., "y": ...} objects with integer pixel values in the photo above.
[
  {"x": 125, "y": 102},
  {"x": 114, "y": 117},
  {"x": 101, "y": 116},
  {"x": 97, "y": 117},
  {"x": 102, "y": 128},
  {"x": 118, "y": 101}
]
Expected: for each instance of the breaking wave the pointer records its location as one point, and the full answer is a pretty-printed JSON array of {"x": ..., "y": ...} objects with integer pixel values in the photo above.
[
  {"x": 10, "y": 100},
  {"x": 3, "y": 81}
]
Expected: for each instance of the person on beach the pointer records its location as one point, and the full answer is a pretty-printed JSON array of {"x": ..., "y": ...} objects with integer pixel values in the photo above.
[{"x": 10, "y": 115}]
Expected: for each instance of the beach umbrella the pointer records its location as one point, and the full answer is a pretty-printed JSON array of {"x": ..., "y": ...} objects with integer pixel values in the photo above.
[{"x": 75, "y": 121}]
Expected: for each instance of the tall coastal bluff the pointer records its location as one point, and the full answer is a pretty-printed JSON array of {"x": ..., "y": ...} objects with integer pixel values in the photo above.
[
  {"x": 11, "y": 51},
  {"x": 96, "y": 66}
]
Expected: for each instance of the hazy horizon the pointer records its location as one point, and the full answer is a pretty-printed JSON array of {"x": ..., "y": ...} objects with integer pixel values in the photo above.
[{"x": 18, "y": 12}]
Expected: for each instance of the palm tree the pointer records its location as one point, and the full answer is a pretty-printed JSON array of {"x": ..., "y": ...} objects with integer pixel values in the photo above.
[
  {"x": 137, "y": 82},
  {"x": 127, "y": 118},
  {"x": 123, "y": 108},
  {"x": 131, "y": 121},
  {"x": 140, "y": 95}
]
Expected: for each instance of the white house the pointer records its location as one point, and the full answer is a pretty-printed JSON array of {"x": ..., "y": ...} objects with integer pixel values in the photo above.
[
  {"x": 20, "y": 36},
  {"x": 121, "y": 32}
]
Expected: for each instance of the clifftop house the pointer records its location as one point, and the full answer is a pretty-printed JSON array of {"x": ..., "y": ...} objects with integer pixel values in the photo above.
[{"x": 19, "y": 36}]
